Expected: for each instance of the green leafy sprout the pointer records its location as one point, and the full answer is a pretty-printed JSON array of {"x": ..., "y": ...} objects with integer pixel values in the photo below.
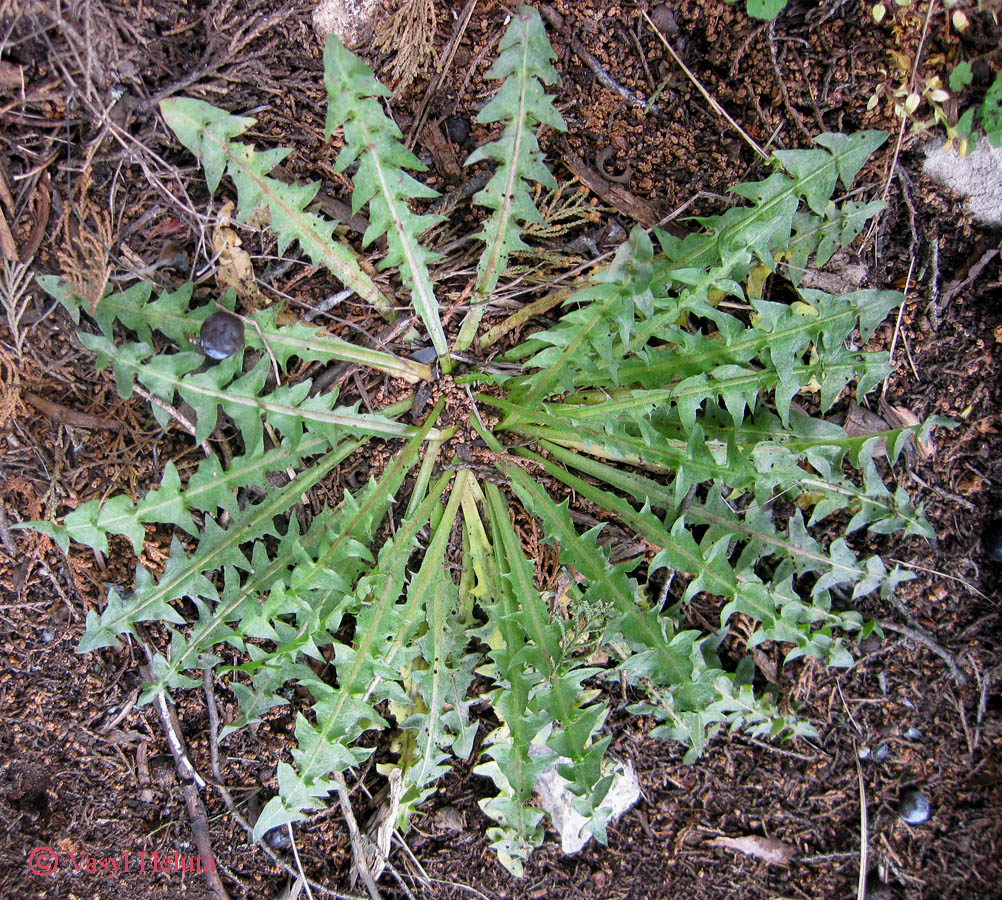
[
  {"x": 670, "y": 397},
  {"x": 942, "y": 90},
  {"x": 763, "y": 9}
]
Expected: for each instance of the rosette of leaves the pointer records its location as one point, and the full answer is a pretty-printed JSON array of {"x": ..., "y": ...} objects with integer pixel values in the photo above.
[{"x": 685, "y": 420}]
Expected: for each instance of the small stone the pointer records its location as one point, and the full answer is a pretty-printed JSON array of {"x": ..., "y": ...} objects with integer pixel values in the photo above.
[
  {"x": 977, "y": 177},
  {"x": 914, "y": 807},
  {"x": 981, "y": 72},
  {"x": 664, "y": 19},
  {"x": 278, "y": 838},
  {"x": 456, "y": 129},
  {"x": 878, "y": 755},
  {"x": 913, "y": 734},
  {"x": 881, "y": 753},
  {"x": 991, "y": 540},
  {"x": 425, "y": 355},
  {"x": 448, "y": 818},
  {"x": 353, "y": 21},
  {"x": 222, "y": 335}
]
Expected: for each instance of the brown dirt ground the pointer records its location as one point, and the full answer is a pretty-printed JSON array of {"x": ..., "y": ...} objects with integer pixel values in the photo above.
[{"x": 85, "y": 772}]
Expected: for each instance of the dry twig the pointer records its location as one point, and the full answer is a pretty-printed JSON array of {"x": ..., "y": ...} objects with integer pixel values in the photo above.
[
  {"x": 186, "y": 772},
  {"x": 927, "y": 640},
  {"x": 220, "y": 786},
  {"x": 706, "y": 94},
  {"x": 604, "y": 78}
]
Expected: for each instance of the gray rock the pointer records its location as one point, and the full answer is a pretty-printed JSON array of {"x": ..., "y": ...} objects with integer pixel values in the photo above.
[
  {"x": 976, "y": 177},
  {"x": 914, "y": 807}
]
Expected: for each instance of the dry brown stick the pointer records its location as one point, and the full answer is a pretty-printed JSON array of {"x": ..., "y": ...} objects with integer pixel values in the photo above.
[
  {"x": 745, "y": 44},
  {"x": 357, "y": 846},
  {"x": 448, "y": 55},
  {"x": 8, "y": 249},
  {"x": 957, "y": 578},
  {"x": 717, "y": 108},
  {"x": 5, "y": 536},
  {"x": 965, "y": 278},
  {"x": 200, "y": 832},
  {"x": 219, "y": 784},
  {"x": 604, "y": 78},
  {"x": 872, "y": 230},
  {"x": 864, "y": 831},
  {"x": 897, "y": 331},
  {"x": 342, "y": 369},
  {"x": 176, "y": 415},
  {"x": 41, "y": 216},
  {"x": 66, "y": 416},
  {"x": 188, "y": 774},
  {"x": 788, "y": 105},
  {"x": 215, "y": 57},
  {"x": 210, "y": 706},
  {"x": 626, "y": 202},
  {"x": 927, "y": 640},
  {"x": 651, "y": 83},
  {"x": 6, "y": 197},
  {"x": 475, "y": 65},
  {"x": 986, "y": 682}
]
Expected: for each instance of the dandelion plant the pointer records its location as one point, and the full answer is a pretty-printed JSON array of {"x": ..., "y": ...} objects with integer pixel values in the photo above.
[{"x": 672, "y": 397}]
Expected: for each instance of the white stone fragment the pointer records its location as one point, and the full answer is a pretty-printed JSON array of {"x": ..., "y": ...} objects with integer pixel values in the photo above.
[
  {"x": 351, "y": 20},
  {"x": 551, "y": 789},
  {"x": 977, "y": 177}
]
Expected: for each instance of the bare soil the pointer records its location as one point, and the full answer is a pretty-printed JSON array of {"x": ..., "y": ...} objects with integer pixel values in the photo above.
[{"x": 89, "y": 172}]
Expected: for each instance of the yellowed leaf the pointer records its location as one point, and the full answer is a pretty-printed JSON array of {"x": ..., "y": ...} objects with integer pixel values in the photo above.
[
  {"x": 902, "y": 417},
  {"x": 236, "y": 270},
  {"x": 755, "y": 284}
]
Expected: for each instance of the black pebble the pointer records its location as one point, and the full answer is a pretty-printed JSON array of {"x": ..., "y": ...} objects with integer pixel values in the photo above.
[
  {"x": 456, "y": 129},
  {"x": 981, "y": 72},
  {"x": 991, "y": 540},
  {"x": 425, "y": 355},
  {"x": 278, "y": 838},
  {"x": 222, "y": 335}
]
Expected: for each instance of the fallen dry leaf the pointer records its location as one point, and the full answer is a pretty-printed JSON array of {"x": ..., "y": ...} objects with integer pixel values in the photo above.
[
  {"x": 776, "y": 853},
  {"x": 902, "y": 417},
  {"x": 11, "y": 76},
  {"x": 235, "y": 267},
  {"x": 860, "y": 422}
]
